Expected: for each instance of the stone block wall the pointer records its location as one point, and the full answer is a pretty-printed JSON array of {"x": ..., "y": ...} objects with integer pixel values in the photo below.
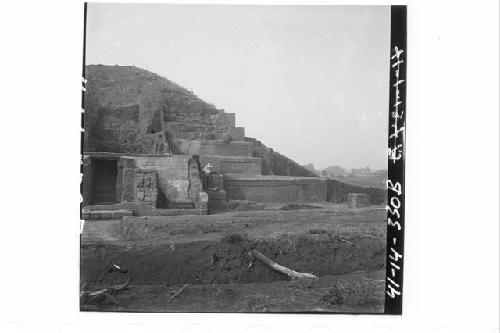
[
  {"x": 337, "y": 192},
  {"x": 176, "y": 177},
  {"x": 282, "y": 165},
  {"x": 116, "y": 130},
  {"x": 217, "y": 180},
  {"x": 217, "y": 200},
  {"x": 203, "y": 203},
  {"x": 126, "y": 180},
  {"x": 130, "y": 129},
  {"x": 237, "y": 134},
  {"x": 203, "y": 125},
  {"x": 275, "y": 188},
  {"x": 146, "y": 190},
  {"x": 86, "y": 185},
  {"x": 233, "y": 148},
  {"x": 126, "y": 97},
  {"x": 181, "y": 204},
  {"x": 130, "y": 142},
  {"x": 197, "y": 147},
  {"x": 358, "y": 200},
  {"x": 265, "y": 154},
  {"x": 225, "y": 119},
  {"x": 193, "y": 130},
  {"x": 195, "y": 185},
  {"x": 184, "y": 146},
  {"x": 234, "y": 164},
  {"x": 172, "y": 174},
  {"x": 273, "y": 163}
]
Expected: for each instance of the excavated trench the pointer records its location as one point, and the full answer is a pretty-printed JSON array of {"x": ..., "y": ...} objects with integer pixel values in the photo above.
[{"x": 227, "y": 260}]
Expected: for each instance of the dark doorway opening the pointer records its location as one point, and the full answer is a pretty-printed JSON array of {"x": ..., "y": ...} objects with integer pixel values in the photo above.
[{"x": 104, "y": 181}]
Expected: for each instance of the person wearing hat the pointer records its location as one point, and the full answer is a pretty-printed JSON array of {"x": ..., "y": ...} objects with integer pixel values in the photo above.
[{"x": 206, "y": 175}]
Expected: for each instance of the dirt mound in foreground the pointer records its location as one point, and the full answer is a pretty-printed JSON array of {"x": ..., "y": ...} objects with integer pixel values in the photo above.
[
  {"x": 227, "y": 260},
  {"x": 319, "y": 295}
]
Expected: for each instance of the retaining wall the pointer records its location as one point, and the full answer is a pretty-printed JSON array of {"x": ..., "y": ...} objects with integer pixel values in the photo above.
[
  {"x": 233, "y": 164},
  {"x": 337, "y": 192},
  {"x": 173, "y": 177},
  {"x": 174, "y": 183},
  {"x": 197, "y": 147},
  {"x": 273, "y": 163},
  {"x": 275, "y": 188}
]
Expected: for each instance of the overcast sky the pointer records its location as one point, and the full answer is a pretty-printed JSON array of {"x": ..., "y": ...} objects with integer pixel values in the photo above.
[{"x": 310, "y": 82}]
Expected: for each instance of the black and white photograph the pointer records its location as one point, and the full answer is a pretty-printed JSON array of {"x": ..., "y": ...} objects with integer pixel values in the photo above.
[
  {"x": 235, "y": 158},
  {"x": 250, "y": 166}
]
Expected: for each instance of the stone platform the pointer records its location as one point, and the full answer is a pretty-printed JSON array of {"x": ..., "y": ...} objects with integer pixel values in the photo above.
[
  {"x": 274, "y": 188},
  {"x": 207, "y": 147},
  {"x": 105, "y": 214},
  {"x": 233, "y": 164},
  {"x": 118, "y": 211},
  {"x": 217, "y": 201}
]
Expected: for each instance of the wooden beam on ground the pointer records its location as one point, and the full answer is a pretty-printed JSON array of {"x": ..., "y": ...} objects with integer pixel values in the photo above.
[
  {"x": 178, "y": 293},
  {"x": 109, "y": 290},
  {"x": 282, "y": 269}
]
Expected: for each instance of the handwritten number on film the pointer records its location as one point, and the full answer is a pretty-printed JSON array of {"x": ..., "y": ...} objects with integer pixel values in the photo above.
[
  {"x": 396, "y": 150},
  {"x": 395, "y": 153}
]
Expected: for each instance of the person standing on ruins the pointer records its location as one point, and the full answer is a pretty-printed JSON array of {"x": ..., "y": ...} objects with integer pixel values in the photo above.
[{"x": 206, "y": 175}]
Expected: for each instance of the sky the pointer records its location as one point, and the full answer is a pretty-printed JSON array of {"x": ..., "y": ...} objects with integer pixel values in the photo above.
[{"x": 311, "y": 82}]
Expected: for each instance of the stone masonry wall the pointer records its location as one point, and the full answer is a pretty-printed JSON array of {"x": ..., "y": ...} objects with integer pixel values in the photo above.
[
  {"x": 236, "y": 164},
  {"x": 358, "y": 200},
  {"x": 235, "y": 148},
  {"x": 195, "y": 186},
  {"x": 274, "y": 163},
  {"x": 123, "y": 104},
  {"x": 172, "y": 173},
  {"x": 86, "y": 186},
  {"x": 176, "y": 179},
  {"x": 146, "y": 191},
  {"x": 275, "y": 189},
  {"x": 337, "y": 192},
  {"x": 126, "y": 173},
  {"x": 197, "y": 147}
]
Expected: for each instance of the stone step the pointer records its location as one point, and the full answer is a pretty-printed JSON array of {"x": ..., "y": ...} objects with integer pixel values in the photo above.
[
  {"x": 216, "y": 201},
  {"x": 231, "y": 148},
  {"x": 211, "y": 147},
  {"x": 181, "y": 204},
  {"x": 233, "y": 164},
  {"x": 195, "y": 129},
  {"x": 105, "y": 214}
]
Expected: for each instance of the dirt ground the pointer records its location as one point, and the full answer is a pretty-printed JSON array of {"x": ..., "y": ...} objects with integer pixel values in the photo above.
[{"x": 344, "y": 247}]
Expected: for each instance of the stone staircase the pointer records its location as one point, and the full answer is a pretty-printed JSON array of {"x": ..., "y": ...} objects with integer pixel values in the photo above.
[{"x": 242, "y": 177}]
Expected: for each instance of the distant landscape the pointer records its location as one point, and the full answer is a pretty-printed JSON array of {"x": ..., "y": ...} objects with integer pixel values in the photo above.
[{"x": 365, "y": 177}]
